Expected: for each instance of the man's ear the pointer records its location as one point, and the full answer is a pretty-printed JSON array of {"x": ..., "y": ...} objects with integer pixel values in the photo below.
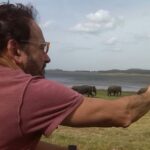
[
  {"x": 13, "y": 51},
  {"x": 17, "y": 56},
  {"x": 12, "y": 47}
]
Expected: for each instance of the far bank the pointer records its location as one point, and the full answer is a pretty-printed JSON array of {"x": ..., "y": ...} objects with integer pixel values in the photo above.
[{"x": 129, "y": 81}]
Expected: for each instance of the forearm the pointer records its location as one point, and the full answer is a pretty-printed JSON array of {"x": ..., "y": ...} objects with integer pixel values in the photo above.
[
  {"x": 129, "y": 109},
  {"x": 137, "y": 106}
]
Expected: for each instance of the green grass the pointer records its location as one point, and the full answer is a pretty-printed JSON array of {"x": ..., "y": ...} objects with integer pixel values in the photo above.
[
  {"x": 135, "y": 137},
  {"x": 103, "y": 94}
]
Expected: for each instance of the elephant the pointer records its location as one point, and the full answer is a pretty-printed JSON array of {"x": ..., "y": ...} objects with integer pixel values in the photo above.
[
  {"x": 94, "y": 90},
  {"x": 114, "y": 90},
  {"x": 85, "y": 89},
  {"x": 141, "y": 91}
]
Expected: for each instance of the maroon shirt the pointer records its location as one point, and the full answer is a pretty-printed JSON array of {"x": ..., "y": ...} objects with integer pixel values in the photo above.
[{"x": 31, "y": 106}]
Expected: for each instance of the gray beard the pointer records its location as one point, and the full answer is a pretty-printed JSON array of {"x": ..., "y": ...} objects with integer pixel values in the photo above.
[{"x": 31, "y": 67}]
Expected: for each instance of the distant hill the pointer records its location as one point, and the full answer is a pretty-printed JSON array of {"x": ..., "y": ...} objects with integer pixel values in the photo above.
[
  {"x": 129, "y": 71},
  {"x": 113, "y": 71}
]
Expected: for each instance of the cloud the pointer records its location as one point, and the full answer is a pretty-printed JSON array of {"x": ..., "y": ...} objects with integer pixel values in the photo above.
[
  {"x": 46, "y": 24},
  {"x": 98, "y": 22},
  {"x": 111, "y": 41},
  {"x": 142, "y": 37}
]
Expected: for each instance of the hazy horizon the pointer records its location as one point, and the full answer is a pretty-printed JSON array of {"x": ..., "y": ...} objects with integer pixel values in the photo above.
[{"x": 100, "y": 70}]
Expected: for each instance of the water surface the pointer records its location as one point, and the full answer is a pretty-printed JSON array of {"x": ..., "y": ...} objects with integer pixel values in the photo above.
[{"x": 129, "y": 82}]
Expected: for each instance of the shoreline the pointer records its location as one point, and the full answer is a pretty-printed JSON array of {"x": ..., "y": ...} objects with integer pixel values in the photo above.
[{"x": 104, "y": 88}]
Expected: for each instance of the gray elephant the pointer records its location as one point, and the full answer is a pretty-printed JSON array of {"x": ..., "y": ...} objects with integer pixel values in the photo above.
[
  {"x": 114, "y": 90},
  {"x": 85, "y": 89},
  {"x": 94, "y": 90},
  {"x": 141, "y": 90}
]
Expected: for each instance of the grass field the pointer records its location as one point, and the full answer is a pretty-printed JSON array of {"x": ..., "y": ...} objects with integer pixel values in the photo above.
[{"x": 135, "y": 137}]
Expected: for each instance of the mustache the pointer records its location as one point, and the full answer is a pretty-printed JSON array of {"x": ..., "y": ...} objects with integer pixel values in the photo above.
[{"x": 44, "y": 66}]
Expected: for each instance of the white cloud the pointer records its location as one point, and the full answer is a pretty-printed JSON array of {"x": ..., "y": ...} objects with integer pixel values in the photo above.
[
  {"x": 142, "y": 37},
  {"x": 97, "y": 22},
  {"x": 99, "y": 16},
  {"x": 111, "y": 41},
  {"x": 46, "y": 24}
]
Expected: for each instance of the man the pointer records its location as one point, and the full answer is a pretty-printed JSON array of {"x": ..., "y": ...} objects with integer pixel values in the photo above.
[{"x": 31, "y": 105}]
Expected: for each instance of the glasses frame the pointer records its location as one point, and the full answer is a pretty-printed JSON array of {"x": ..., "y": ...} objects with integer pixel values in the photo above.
[{"x": 45, "y": 44}]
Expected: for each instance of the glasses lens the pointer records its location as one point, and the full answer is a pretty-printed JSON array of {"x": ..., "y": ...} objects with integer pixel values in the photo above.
[
  {"x": 43, "y": 46},
  {"x": 46, "y": 47}
]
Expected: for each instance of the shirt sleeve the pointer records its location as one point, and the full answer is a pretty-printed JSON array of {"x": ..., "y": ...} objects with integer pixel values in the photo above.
[{"x": 46, "y": 104}]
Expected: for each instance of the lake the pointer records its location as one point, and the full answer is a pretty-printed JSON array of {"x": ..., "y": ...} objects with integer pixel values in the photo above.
[{"x": 129, "y": 82}]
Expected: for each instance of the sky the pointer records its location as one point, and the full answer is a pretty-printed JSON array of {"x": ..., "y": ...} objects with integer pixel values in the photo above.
[{"x": 95, "y": 34}]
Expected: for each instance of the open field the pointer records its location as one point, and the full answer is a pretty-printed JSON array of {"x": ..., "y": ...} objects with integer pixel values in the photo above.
[
  {"x": 103, "y": 94},
  {"x": 135, "y": 137}
]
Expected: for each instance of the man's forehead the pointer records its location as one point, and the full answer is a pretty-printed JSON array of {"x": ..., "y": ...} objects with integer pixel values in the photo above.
[{"x": 35, "y": 31}]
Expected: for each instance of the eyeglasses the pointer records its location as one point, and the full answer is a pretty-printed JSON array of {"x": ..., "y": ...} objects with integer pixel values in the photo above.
[{"x": 43, "y": 46}]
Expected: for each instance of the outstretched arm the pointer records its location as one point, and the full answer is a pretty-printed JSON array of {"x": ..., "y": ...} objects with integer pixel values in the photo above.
[{"x": 103, "y": 113}]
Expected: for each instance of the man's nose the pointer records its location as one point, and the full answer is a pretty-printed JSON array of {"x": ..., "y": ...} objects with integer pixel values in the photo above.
[{"x": 47, "y": 58}]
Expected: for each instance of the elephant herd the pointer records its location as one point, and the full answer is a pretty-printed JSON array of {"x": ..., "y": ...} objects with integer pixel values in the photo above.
[
  {"x": 85, "y": 89},
  {"x": 92, "y": 91},
  {"x": 114, "y": 90}
]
